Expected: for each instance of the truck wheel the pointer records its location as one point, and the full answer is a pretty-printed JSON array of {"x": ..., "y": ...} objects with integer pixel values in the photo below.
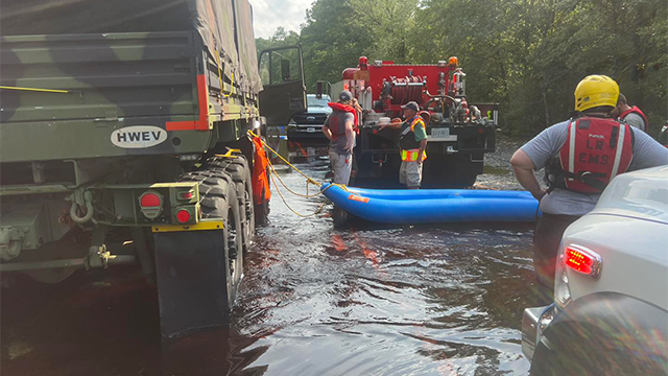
[
  {"x": 198, "y": 272},
  {"x": 262, "y": 213},
  {"x": 240, "y": 172},
  {"x": 262, "y": 210},
  {"x": 463, "y": 180},
  {"x": 592, "y": 353}
]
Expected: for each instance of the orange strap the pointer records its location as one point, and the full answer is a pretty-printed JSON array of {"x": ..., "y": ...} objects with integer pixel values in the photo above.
[{"x": 261, "y": 191}]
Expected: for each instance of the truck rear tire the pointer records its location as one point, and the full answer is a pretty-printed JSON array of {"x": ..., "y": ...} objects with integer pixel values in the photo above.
[
  {"x": 262, "y": 210},
  {"x": 463, "y": 180},
  {"x": 198, "y": 272},
  {"x": 240, "y": 172}
]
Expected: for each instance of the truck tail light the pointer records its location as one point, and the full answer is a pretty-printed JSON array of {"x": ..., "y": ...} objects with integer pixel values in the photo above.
[
  {"x": 151, "y": 204},
  {"x": 150, "y": 200},
  {"x": 183, "y": 216},
  {"x": 583, "y": 260}
]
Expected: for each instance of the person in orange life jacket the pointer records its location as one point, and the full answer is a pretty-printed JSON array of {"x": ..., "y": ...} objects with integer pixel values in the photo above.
[
  {"x": 632, "y": 115},
  {"x": 339, "y": 128},
  {"x": 412, "y": 143},
  {"x": 581, "y": 156}
]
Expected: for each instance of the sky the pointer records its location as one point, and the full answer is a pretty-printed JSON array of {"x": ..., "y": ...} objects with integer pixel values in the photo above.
[{"x": 270, "y": 14}]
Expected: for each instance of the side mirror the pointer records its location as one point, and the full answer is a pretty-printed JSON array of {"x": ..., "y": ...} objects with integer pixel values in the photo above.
[
  {"x": 318, "y": 90},
  {"x": 285, "y": 70}
]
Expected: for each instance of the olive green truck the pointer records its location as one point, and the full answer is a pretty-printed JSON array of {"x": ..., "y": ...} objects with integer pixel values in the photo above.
[{"x": 124, "y": 139}]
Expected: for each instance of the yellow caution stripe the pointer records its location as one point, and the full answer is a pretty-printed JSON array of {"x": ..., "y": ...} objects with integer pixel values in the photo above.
[{"x": 202, "y": 226}]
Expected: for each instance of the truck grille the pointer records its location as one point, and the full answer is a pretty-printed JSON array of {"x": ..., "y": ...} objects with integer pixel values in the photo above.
[{"x": 316, "y": 119}]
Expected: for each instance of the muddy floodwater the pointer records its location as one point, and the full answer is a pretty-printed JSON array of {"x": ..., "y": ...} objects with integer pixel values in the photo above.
[{"x": 360, "y": 300}]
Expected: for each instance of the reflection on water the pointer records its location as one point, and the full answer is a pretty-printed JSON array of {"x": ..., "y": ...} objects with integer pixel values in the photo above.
[
  {"x": 441, "y": 300},
  {"x": 365, "y": 300}
]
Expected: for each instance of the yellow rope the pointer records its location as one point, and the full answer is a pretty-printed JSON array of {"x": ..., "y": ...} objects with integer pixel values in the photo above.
[
  {"x": 288, "y": 163},
  {"x": 290, "y": 208},
  {"x": 34, "y": 89},
  {"x": 309, "y": 180},
  {"x": 220, "y": 78},
  {"x": 273, "y": 170}
]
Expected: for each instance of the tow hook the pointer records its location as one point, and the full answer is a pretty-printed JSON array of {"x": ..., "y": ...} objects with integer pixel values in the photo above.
[
  {"x": 11, "y": 241},
  {"x": 100, "y": 257}
]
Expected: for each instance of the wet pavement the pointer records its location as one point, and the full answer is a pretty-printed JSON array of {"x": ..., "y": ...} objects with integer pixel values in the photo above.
[{"x": 361, "y": 300}]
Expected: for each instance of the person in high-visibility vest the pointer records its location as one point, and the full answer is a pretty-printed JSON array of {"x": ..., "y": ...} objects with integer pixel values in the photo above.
[{"x": 412, "y": 144}]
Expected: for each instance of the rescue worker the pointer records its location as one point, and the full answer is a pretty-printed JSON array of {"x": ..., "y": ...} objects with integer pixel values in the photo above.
[
  {"x": 581, "y": 156},
  {"x": 412, "y": 145},
  {"x": 339, "y": 128},
  {"x": 632, "y": 115}
]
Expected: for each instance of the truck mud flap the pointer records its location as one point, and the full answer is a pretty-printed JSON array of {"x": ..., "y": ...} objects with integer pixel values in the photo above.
[{"x": 192, "y": 279}]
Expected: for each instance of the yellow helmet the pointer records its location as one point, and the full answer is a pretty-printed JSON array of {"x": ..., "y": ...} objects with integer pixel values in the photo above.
[{"x": 595, "y": 91}]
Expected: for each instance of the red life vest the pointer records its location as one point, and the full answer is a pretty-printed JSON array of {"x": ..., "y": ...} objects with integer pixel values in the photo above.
[
  {"x": 636, "y": 111},
  {"x": 596, "y": 150},
  {"x": 345, "y": 108}
]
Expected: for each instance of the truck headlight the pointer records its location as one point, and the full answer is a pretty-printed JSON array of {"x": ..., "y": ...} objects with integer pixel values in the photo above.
[{"x": 562, "y": 290}]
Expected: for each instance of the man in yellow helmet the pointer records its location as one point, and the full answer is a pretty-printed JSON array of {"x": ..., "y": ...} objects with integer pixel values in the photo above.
[{"x": 581, "y": 156}]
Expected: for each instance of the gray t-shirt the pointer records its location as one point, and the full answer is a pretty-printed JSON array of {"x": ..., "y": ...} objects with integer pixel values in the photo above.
[
  {"x": 635, "y": 120},
  {"x": 336, "y": 122},
  {"x": 546, "y": 146}
]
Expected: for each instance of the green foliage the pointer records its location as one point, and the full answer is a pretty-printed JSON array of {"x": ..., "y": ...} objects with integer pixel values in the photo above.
[{"x": 526, "y": 54}]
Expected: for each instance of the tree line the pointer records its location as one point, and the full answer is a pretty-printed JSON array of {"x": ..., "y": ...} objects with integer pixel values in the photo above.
[{"x": 528, "y": 55}]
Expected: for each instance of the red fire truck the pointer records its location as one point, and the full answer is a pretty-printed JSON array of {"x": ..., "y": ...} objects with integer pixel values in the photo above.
[{"x": 459, "y": 133}]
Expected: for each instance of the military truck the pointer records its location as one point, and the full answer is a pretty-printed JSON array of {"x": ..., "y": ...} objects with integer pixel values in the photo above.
[{"x": 123, "y": 139}]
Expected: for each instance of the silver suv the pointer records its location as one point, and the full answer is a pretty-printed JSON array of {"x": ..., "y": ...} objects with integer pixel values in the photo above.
[{"x": 610, "y": 311}]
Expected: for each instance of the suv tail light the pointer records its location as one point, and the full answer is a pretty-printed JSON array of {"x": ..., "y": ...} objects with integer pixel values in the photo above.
[
  {"x": 583, "y": 260},
  {"x": 151, "y": 204}
]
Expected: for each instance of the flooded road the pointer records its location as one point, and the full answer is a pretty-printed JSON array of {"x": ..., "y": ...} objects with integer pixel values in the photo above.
[{"x": 361, "y": 300}]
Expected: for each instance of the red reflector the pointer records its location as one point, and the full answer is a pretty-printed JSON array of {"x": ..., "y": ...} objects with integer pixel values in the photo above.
[
  {"x": 150, "y": 200},
  {"x": 183, "y": 216},
  {"x": 583, "y": 261},
  {"x": 187, "y": 195}
]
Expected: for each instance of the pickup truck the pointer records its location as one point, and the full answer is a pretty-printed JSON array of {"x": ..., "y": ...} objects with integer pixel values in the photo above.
[{"x": 308, "y": 125}]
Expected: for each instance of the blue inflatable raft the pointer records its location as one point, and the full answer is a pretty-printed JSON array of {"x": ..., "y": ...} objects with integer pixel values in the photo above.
[{"x": 434, "y": 206}]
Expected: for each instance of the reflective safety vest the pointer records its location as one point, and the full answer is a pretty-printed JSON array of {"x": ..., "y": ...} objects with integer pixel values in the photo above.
[
  {"x": 409, "y": 147},
  {"x": 412, "y": 155},
  {"x": 596, "y": 150}
]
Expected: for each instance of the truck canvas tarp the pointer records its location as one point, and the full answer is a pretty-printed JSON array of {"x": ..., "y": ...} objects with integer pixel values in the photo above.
[
  {"x": 214, "y": 21},
  {"x": 73, "y": 72}
]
